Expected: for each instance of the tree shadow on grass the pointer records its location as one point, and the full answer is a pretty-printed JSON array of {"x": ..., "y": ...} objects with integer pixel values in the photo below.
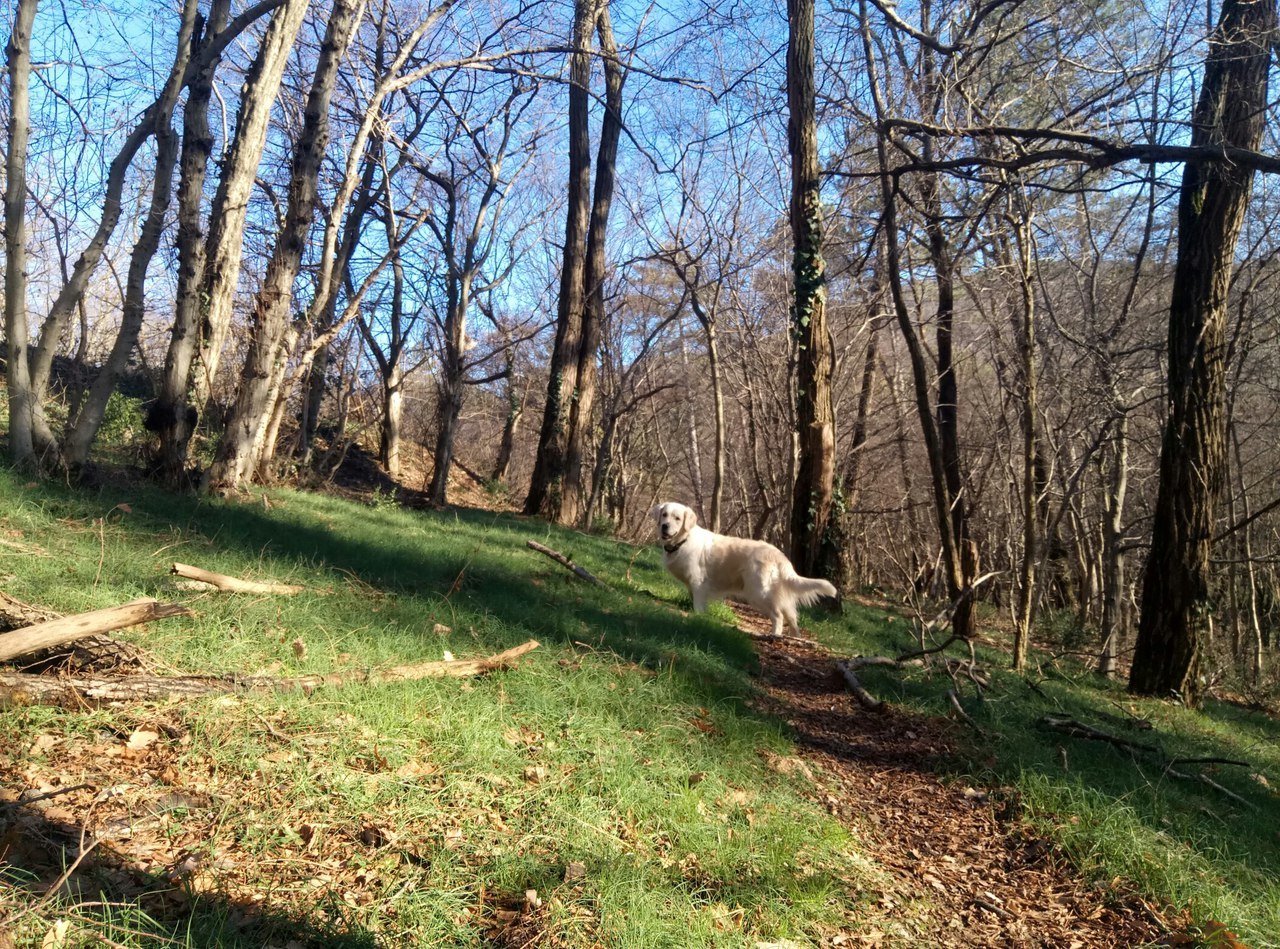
[{"x": 56, "y": 870}]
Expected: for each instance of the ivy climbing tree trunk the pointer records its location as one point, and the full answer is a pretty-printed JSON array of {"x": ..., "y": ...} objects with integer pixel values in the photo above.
[
  {"x": 811, "y": 547},
  {"x": 1230, "y": 113}
]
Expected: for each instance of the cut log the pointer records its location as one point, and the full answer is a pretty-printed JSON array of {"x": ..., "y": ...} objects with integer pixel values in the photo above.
[
  {"x": 565, "y": 562},
  {"x": 55, "y": 632},
  {"x": 22, "y": 689},
  {"x": 232, "y": 584}
]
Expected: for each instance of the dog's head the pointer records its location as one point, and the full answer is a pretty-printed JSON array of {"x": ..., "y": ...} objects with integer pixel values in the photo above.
[{"x": 674, "y": 520}]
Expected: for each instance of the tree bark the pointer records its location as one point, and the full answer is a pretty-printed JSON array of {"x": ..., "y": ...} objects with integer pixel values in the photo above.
[
  {"x": 1231, "y": 112},
  {"x": 811, "y": 547},
  {"x": 574, "y": 506},
  {"x": 225, "y": 245},
  {"x": 17, "y": 333},
  {"x": 173, "y": 415},
  {"x": 55, "y": 632},
  {"x": 241, "y": 446},
  {"x": 546, "y": 488}
]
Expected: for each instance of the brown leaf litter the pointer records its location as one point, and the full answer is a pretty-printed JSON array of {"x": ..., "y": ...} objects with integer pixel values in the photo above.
[{"x": 982, "y": 878}]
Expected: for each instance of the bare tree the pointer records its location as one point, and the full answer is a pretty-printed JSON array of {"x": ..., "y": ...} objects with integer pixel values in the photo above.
[
  {"x": 21, "y": 397},
  {"x": 242, "y": 443}
]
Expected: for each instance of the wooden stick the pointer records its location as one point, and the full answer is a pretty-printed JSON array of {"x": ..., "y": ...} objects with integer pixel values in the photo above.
[
  {"x": 565, "y": 562},
  {"x": 232, "y": 584},
  {"x": 22, "y": 689},
  {"x": 865, "y": 698},
  {"x": 55, "y": 632}
]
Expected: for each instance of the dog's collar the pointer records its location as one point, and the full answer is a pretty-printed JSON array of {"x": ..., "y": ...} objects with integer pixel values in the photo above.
[{"x": 672, "y": 548}]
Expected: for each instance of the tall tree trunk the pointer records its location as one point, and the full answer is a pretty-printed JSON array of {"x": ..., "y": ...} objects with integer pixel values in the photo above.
[
  {"x": 515, "y": 409},
  {"x": 173, "y": 414},
  {"x": 1231, "y": 112},
  {"x": 231, "y": 200},
  {"x": 811, "y": 547},
  {"x": 1113, "y": 554},
  {"x": 547, "y": 485},
  {"x": 1030, "y": 453},
  {"x": 242, "y": 442},
  {"x": 574, "y": 507},
  {"x": 17, "y": 333}
]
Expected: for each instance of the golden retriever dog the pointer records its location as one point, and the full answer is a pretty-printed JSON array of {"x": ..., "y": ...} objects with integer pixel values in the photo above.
[{"x": 714, "y": 566}]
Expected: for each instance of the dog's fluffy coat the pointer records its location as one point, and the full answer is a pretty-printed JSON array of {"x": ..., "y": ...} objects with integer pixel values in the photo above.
[{"x": 714, "y": 566}]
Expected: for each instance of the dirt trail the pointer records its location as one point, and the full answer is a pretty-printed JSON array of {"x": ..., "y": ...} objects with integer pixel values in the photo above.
[{"x": 987, "y": 881}]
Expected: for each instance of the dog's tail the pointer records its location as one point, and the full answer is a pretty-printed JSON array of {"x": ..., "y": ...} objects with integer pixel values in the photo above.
[{"x": 807, "y": 590}]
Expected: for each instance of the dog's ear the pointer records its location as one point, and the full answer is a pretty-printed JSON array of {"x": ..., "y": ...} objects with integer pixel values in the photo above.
[{"x": 690, "y": 519}]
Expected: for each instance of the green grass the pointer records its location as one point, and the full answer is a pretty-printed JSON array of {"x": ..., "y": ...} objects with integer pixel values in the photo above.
[
  {"x": 1117, "y": 814},
  {"x": 413, "y": 813},
  {"x": 619, "y": 772}
]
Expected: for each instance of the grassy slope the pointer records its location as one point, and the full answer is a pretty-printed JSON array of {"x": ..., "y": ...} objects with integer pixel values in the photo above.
[{"x": 624, "y": 744}]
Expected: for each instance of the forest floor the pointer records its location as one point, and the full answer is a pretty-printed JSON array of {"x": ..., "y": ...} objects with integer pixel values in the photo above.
[
  {"x": 990, "y": 881},
  {"x": 651, "y": 777}
]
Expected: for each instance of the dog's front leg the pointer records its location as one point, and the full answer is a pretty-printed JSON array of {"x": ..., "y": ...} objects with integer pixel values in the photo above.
[{"x": 700, "y": 599}]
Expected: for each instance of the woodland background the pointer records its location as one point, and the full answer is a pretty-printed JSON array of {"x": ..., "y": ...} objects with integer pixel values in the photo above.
[{"x": 487, "y": 237}]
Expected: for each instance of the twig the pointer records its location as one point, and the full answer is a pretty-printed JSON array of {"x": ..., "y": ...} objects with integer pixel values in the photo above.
[
  {"x": 565, "y": 562},
  {"x": 955, "y": 704},
  {"x": 48, "y": 794}
]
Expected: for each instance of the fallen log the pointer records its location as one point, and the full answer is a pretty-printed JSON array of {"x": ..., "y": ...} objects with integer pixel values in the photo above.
[
  {"x": 232, "y": 584},
  {"x": 29, "y": 639},
  {"x": 565, "y": 562},
  {"x": 14, "y": 614},
  {"x": 23, "y": 689}
]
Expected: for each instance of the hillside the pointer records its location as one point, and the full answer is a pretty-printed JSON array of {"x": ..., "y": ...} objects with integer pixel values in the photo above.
[{"x": 643, "y": 778}]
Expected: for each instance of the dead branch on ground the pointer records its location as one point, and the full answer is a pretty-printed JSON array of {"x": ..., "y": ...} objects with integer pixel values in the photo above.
[
  {"x": 55, "y": 632},
  {"x": 1078, "y": 729},
  {"x": 24, "y": 689},
  {"x": 232, "y": 584},
  {"x": 564, "y": 561}
]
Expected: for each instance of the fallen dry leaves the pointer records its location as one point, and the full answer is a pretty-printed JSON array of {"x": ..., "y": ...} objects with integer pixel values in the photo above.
[{"x": 962, "y": 861}]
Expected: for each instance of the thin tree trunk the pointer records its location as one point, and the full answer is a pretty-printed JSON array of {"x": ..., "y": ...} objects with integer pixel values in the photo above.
[
  {"x": 811, "y": 543},
  {"x": 87, "y": 422},
  {"x": 1030, "y": 481},
  {"x": 1113, "y": 554},
  {"x": 21, "y": 398},
  {"x": 1175, "y": 597}
]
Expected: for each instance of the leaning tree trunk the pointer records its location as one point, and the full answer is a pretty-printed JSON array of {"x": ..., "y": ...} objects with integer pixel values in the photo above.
[
  {"x": 88, "y": 420},
  {"x": 17, "y": 333},
  {"x": 242, "y": 443},
  {"x": 1231, "y": 112},
  {"x": 231, "y": 201},
  {"x": 811, "y": 547},
  {"x": 547, "y": 484}
]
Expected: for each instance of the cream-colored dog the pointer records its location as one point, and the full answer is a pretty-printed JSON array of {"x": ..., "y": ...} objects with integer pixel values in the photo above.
[{"x": 714, "y": 566}]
